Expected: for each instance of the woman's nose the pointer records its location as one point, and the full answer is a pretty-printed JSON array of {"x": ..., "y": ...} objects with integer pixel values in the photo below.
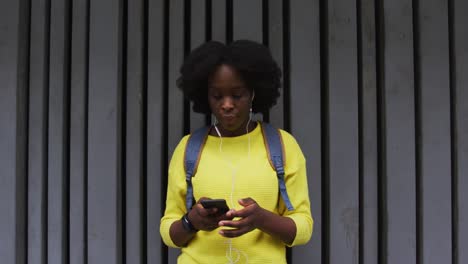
[{"x": 227, "y": 103}]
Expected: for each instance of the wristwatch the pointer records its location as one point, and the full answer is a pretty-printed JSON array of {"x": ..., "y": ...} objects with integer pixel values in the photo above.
[{"x": 188, "y": 226}]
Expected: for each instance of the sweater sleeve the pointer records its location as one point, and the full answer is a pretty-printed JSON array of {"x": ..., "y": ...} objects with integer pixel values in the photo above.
[
  {"x": 297, "y": 187},
  {"x": 176, "y": 190}
]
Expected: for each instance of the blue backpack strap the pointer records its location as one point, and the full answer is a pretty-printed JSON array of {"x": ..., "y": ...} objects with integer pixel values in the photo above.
[
  {"x": 192, "y": 155},
  {"x": 274, "y": 147}
]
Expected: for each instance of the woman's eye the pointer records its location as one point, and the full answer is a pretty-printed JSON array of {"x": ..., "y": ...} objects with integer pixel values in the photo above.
[
  {"x": 237, "y": 96},
  {"x": 216, "y": 97}
]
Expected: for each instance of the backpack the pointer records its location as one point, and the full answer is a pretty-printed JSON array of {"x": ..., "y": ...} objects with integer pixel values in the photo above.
[{"x": 273, "y": 144}]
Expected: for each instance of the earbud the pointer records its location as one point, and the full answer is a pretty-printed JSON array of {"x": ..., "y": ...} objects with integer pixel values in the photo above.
[{"x": 251, "y": 103}]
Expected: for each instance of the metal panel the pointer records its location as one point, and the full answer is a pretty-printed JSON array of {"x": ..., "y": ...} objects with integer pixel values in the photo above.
[
  {"x": 399, "y": 147},
  {"x": 460, "y": 147},
  {"x": 305, "y": 90},
  {"x": 135, "y": 91},
  {"x": 368, "y": 134},
  {"x": 37, "y": 153},
  {"x": 275, "y": 43},
  {"x": 247, "y": 23},
  {"x": 11, "y": 179},
  {"x": 218, "y": 20},
  {"x": 104, "y": 136},
  {"x": 343, "y": 147},
  {"x": 434, "y": 142},
  {"x": 247, "y": 20},
  {"x": 21, "y": 152},
  {"x": 197, "y": 37},
  {"x": 175, "y": 100},
  {"x": 176, "y": 55},
  {"x": 398, "y": 138},
  {"x": 78, "y": 132},
  {"x": 57, "y": 186},
  {"x": 155, "y": 151}
]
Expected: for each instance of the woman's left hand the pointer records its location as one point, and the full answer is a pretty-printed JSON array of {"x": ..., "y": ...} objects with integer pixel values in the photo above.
[{"x": 250, "y": 217}]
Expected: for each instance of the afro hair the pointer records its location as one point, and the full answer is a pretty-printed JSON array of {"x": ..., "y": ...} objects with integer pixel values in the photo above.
[{"x": 252, "y": 61}]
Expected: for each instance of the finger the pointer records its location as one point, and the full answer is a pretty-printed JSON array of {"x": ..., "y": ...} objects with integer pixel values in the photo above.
[
  {"x": 203, "y": 198},
  {"x": 234, "y": 224},
  {"x": 245, "y": 212},
  {"x": 208, "y": 211},
  {"x": 231, "y": 213},
  {"x": 233, "y": 232},
  {"x": 212, "y": 211},
  {"x": 213, "y": 223},
  {"x": 210, "y": 227},
  {"x": 227, "y": 223},
  {"x": 200, "y": 210},
  {"x": 209, "y": 223},
  {"x": 205, "y": 212},
  {"x": 224, "y": 217},
  {"x": 247, "y": 201}
]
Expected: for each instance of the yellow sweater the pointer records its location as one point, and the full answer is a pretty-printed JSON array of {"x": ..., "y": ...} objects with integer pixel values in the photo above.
[{"x": 232, "y": 170}]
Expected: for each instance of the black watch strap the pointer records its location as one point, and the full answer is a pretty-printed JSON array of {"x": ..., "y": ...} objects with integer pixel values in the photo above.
[{"x": 187, "y": 224}]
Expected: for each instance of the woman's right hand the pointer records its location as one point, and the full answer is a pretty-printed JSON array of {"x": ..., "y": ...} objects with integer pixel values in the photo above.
[{"x": 205, "y": 219}]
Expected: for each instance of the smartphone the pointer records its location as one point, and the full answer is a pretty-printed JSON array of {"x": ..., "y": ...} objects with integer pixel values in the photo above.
[{"x": 216, "y": 203}]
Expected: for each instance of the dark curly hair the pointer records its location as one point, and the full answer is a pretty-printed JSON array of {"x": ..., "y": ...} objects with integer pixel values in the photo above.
[{"x": 252, "y": 61}]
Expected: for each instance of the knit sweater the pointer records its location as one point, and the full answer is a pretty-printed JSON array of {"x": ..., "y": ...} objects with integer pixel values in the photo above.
[{"x": 233, "y": 168}]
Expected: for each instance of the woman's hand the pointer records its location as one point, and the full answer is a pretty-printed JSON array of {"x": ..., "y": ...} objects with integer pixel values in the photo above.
[
  {"x": 205, "y": 219},
  {"x": 251, "y": 215}
]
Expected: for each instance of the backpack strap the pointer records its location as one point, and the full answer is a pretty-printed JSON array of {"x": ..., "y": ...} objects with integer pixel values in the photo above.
[
  {"x": 274, "y": 146},
  {"x": 192, "y": 155}
]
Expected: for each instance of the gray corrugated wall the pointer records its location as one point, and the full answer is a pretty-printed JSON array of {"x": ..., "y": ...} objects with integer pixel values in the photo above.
[{"x": 376, "y": 93}]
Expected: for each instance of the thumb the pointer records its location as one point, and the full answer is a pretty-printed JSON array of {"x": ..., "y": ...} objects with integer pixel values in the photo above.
[{"x": 246, "y": 201}]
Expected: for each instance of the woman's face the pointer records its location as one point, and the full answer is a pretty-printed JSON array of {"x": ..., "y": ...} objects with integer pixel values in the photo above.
[{"x": 229, "y": 100}]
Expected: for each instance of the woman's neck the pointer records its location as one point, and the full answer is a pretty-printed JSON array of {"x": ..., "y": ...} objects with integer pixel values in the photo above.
[{"x": 228, "y": 133}]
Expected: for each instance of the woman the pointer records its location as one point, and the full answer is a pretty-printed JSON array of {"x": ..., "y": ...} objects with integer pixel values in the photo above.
[{"x": 231, "y": 82}]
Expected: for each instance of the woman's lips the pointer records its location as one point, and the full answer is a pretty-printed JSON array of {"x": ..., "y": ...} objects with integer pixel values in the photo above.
[{"x": 228, "y": 117}]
